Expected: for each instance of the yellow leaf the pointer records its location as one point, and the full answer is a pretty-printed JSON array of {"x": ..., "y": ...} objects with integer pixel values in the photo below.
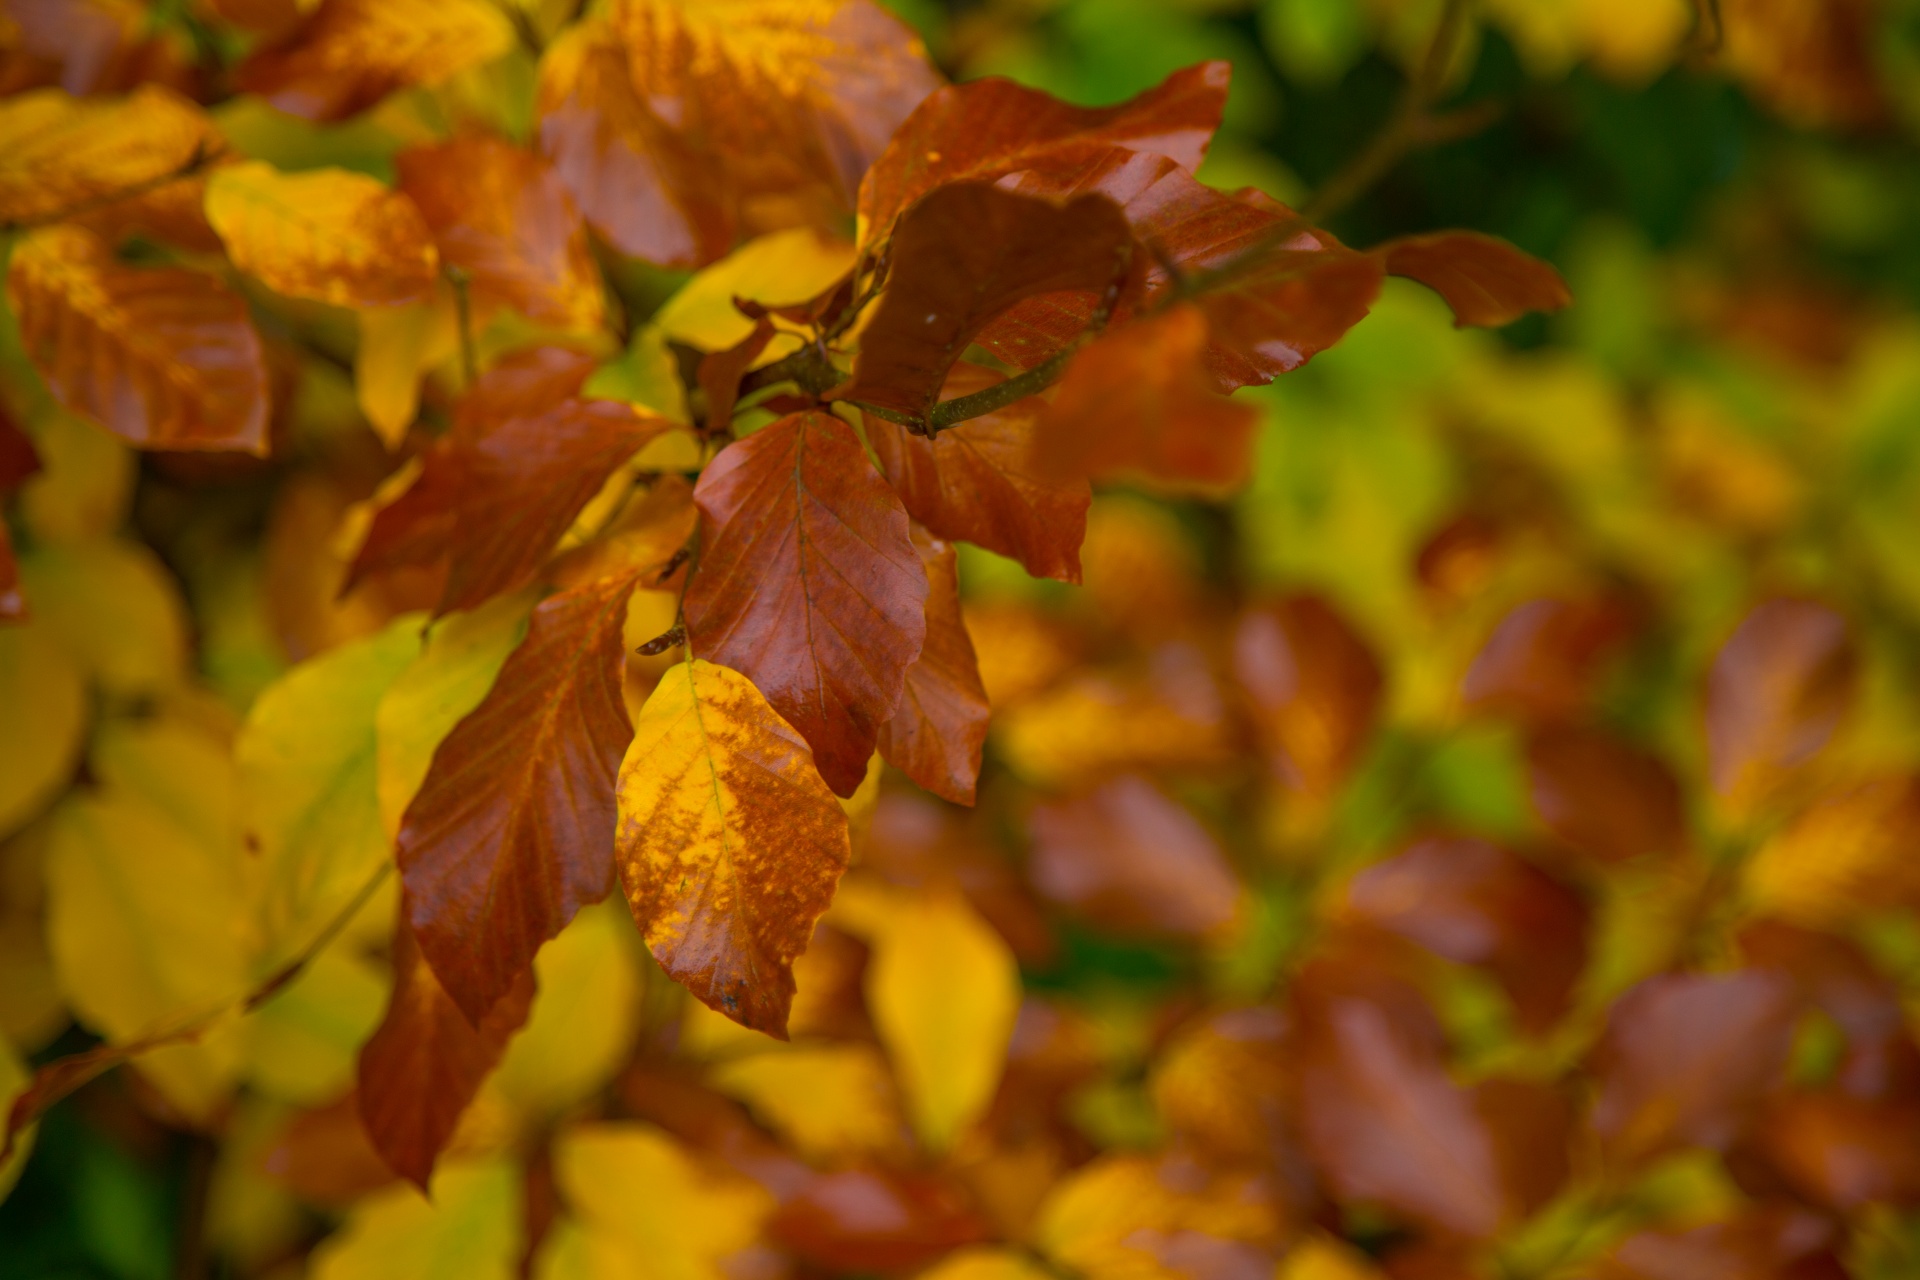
[
  {"x": 115, "y": 608},
  {"x": 776, "y": 270},
  {"x": 826, "y": 1100},
  {"x": 1322, "y": 1259},
  {"x": 462, "y": 655},
  {"x": 32, "y": 1010},
  {"x": 1850, "y": 853},
  {"x": 13, "y": 1078},
  {"x": 646, "y": 1208},
  {"x": 647, "y": 375},
  {"x": 85, "y": 486},
  {"x": 303, "y": 1044},
  {"x": 729, "y": 843},
  {"x": 1118, "y": 1216},
  {"x": 584, "y": 1018},
  {"x": 985, "y": 1264},
  {"x": 1096, "y": 724},
  {"x": 43, "y": 720},
  {"x": 397, "y": 346},
  {"x": 469, "y": 1230},
  {"x": 307, "y": 760},
  {"x": 943, "y": 991},
  {"x": 58, "y": 153},
  {"x": 328, "y": 234}
]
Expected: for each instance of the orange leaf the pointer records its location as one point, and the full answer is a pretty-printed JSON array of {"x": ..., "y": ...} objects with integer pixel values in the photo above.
[
  {"x": 1487, "y": 282},
  {"x": 876, "y": 1220},
  {"x": 1272, "y": 315},
  {"x": 974, "y": 482},
  {"x": 985, "y": 129},
  {"x": 425, "y": 1062},
  {"x": 961, "y": 256},
  {"x": 1846, "y": 1153},
  {"x": 512, "y": 831},
  {"x": 1778, "y": 690},
  {"x": 349, "y": 54},
  {"x": 501, "y": 215},
  {"x": 164, "y": 358},
  {"x": 1545, "y": 657},
  {"x": 1606, "y": 798},
  {"x": 937, "y": 736},
  {"x": 809, "y": 585},
  {"x": 1314, "y": 688},
  {"x": 59, "y": 153}
]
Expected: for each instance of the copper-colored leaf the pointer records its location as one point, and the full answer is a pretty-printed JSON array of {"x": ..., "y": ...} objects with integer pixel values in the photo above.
[
  {"x": 164, "y": 358},
  {"x": 426, "y": 1062},
  {"x": 937, "y": 736},
  {"x": 1777, "y": 692},
  {"x": 501, "y": 215},
  {"x": 1846, "y": 1153},
  {"x": 1128, "y": 858},
  {"x": 349, "y": 54},
  {"x": 1686, "y": 1059},
  {"x": 642, "y": 187},
  {"x": 1545, "y": 657},
  {"x": 729, "y": 844},
  {"x": 1487, "y": 282},
  {"x": 808, "y": 584},
  {"x": 1604, "y": 797},
  {"x": 512, "y": 831},
  {"x": 1139, "y": 402},
  {"x": 876, "y": 1220},
  {"x": 1766, "y": 1243},
  {"x": 327, "y": 234},
  {"x": 18, "y": 458},
  {"x": 975, "y": 482},
  {"x": 1314, "y": 688},
  {"x": 59, "y": 153},
  {"x": 1279, "y": 311},
  {"x": 987, "y": 128},
  {"x": 962, "y": 255},
  {"x": 1476, "y": 903}
]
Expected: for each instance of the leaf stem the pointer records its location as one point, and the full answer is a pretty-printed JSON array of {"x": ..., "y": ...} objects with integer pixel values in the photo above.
[{"x": 463, "y": 307}]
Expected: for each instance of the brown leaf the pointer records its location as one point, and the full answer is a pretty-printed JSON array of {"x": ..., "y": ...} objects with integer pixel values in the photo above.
[
  {"x": 426, "y": 1061},
  {"x": 988, "y": 128},
  {"x": 937, "y": 736},
  {"x": 1487, "y": 282},
  {"x": 1846, "y": 1153},
  {"x": 1282, "y": 309},
  {"x": 349, "y": 54},
  {"x": 13, "y": 605},
  {"x": 512, "y": 831},
  {"x": 164, "y": 358},
  {"x": 1476, "y": 903},
  {"x": 1605, "y": 797},
  {"x": 1314, "y": 687},
  {"x": 1778, "y": 690},
  {"x": 876, "y": 1220},
  {"x": 1129, "y": 859},
  {"x": 1686, "y": 1059},
  {"x": 1814, "y": 64},
  {"x": 502, "y": 216},
  {"x": 1139, "y": 402},
  {"x": 809, "y": 585},
  {"x": 18, "y": 458},
  {"x": 720, "y": 373},
  {"x": 1545, "y": 657},
  {"x": 975, "y": 482},
  {"x": 962, "y": 255},
  {"x": 644, "y": 189},
  {"x": 1765, "y": 1243},
  {"x": 325, "y": 1157},
  {"x": 59, "y": 153},
  {"x": 1882, "y": 1059}
]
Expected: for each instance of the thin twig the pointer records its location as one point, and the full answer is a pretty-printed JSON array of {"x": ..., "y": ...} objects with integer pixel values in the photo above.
[{"x": 463, "y": 308}]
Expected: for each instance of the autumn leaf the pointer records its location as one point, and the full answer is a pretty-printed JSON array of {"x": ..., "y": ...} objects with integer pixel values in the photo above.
[
  {"x": 1487, "y": 282},
  {"x": 1845, "y": 855},
  {"x": 1124, "y": 1215},
  {"x": 1602, "y": 796},
  {"x": 937, "y": 735},
  {"x": 1315, "y": 690},
  {"x": 43, "y": 720},
  {"x": 469, "y": 1229},
  {"x": 327, "y": 234},
  {"x": 162, "y": 357},
  {"x": 875, "y": 1219},
  {"x": 729, "y": 844},
  {"x": 1545, "y": 657},
  {"x": 830, "y": 1101},
  {"x": 961, "y": 256},
  {"x": 809, "y": 585},
  {"x": 584, "y": 1022},
  {"x": 1777, "y": 692},
  {"x": 63, "y": 153}
]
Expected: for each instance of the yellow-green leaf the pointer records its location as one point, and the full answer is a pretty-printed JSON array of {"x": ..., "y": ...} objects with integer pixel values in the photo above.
[
  {"x": 584, "y": 1018},
  {"x": 469, "y": 1230},
  {"x": 115, "y": 608},
  {"x": 43, "y": 720},
  {"x": 781, "y": 269}
]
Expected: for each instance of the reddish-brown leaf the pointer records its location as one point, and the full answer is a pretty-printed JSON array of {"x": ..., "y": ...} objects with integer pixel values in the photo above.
[
  {"x": 325, "y": 1157},
  {"x": 1817, "y": 65},
  {"x": 876, "y": 1220},
  {"x": 1314, "y": 689},
  {"x": 1686, "y": 1059},
  {"x": 962, "y": 255},
  {"x": 985, "y": 129},
  {"x": 975, "y": 482},
  {"x": 1476, "y": 903},
  {"x": 349, "y": 54},
  {"x": 720, "y": 373},
  {"x": 1545, "y": 657},
  {"x": 1139, "y": 402},
  {"x": 502, "y": 216},
  {"x": 1606, "y": 798},
  {"x": 164, "y": 358},
  {"x": 1487, "y": 282},
  {"x": 18, "y": 458},
  {"x": 640, "y": 186},
  {"x": 808, "y": 584},
  {"x": 1129, "y": 859},
  {"x": 1778, "y": 690},
  {"x": 1846, "y": 1153},
  {"x": 1532, "y": 1124},
  {"x": 426, "y": 1061},
  {"x": 937, "y": 736},
  {"x": 1767, "y": 1243},
  {"x": 1882, "y": 1059},
  {"x": 1282, "y": 309},
  {"x": 512, "y": 831},
  {"x": 13, "y": 605}
]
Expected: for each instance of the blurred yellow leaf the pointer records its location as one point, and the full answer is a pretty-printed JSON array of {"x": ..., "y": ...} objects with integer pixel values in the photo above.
[
  {"x": 397, "y": 346},
  {"x": 781, "y": 269},
  {"x": 1122, "y": 1218},
  {"x": 584, "y": 1018},
  {"x": 1849, "y": 854},
  {"x": 1322, "y": 1259},
  {"x": 469, "y": 1230},
  {"x": 302, "y": 1044},
  {"x": 85, "y": 482},
  {"x": 13, "y": 1078},
  {"x": 827, "y": 1100},
  {"x": 115, "y": 608},
  {"x": 985, "y": 1264},
  {"x": 43, "y": 720}
]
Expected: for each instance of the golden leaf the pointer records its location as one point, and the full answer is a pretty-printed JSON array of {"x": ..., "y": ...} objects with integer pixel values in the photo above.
[{"x": 59, "y": 153}]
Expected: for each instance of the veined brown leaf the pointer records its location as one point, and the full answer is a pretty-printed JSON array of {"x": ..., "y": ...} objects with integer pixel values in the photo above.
[
  {"x": 985, "y": 129},
  {"x": 59, "y": 153},
  {"x": 961, "y": 256},
  {"x": 326, "y": 234},
  {"x": 809, "y": 585},
  {"x": 426, "y": 1062},
  {"x": 164, "y": 358},
  {"x": 1487, "y": 282},
  {"x": 512, "y": 831},
  {"x": 937, "y": 736},
  {"x": 501, "y": 214},
  {"x": 349, "y": 54},
  {"x": 730, "y": 845}
]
